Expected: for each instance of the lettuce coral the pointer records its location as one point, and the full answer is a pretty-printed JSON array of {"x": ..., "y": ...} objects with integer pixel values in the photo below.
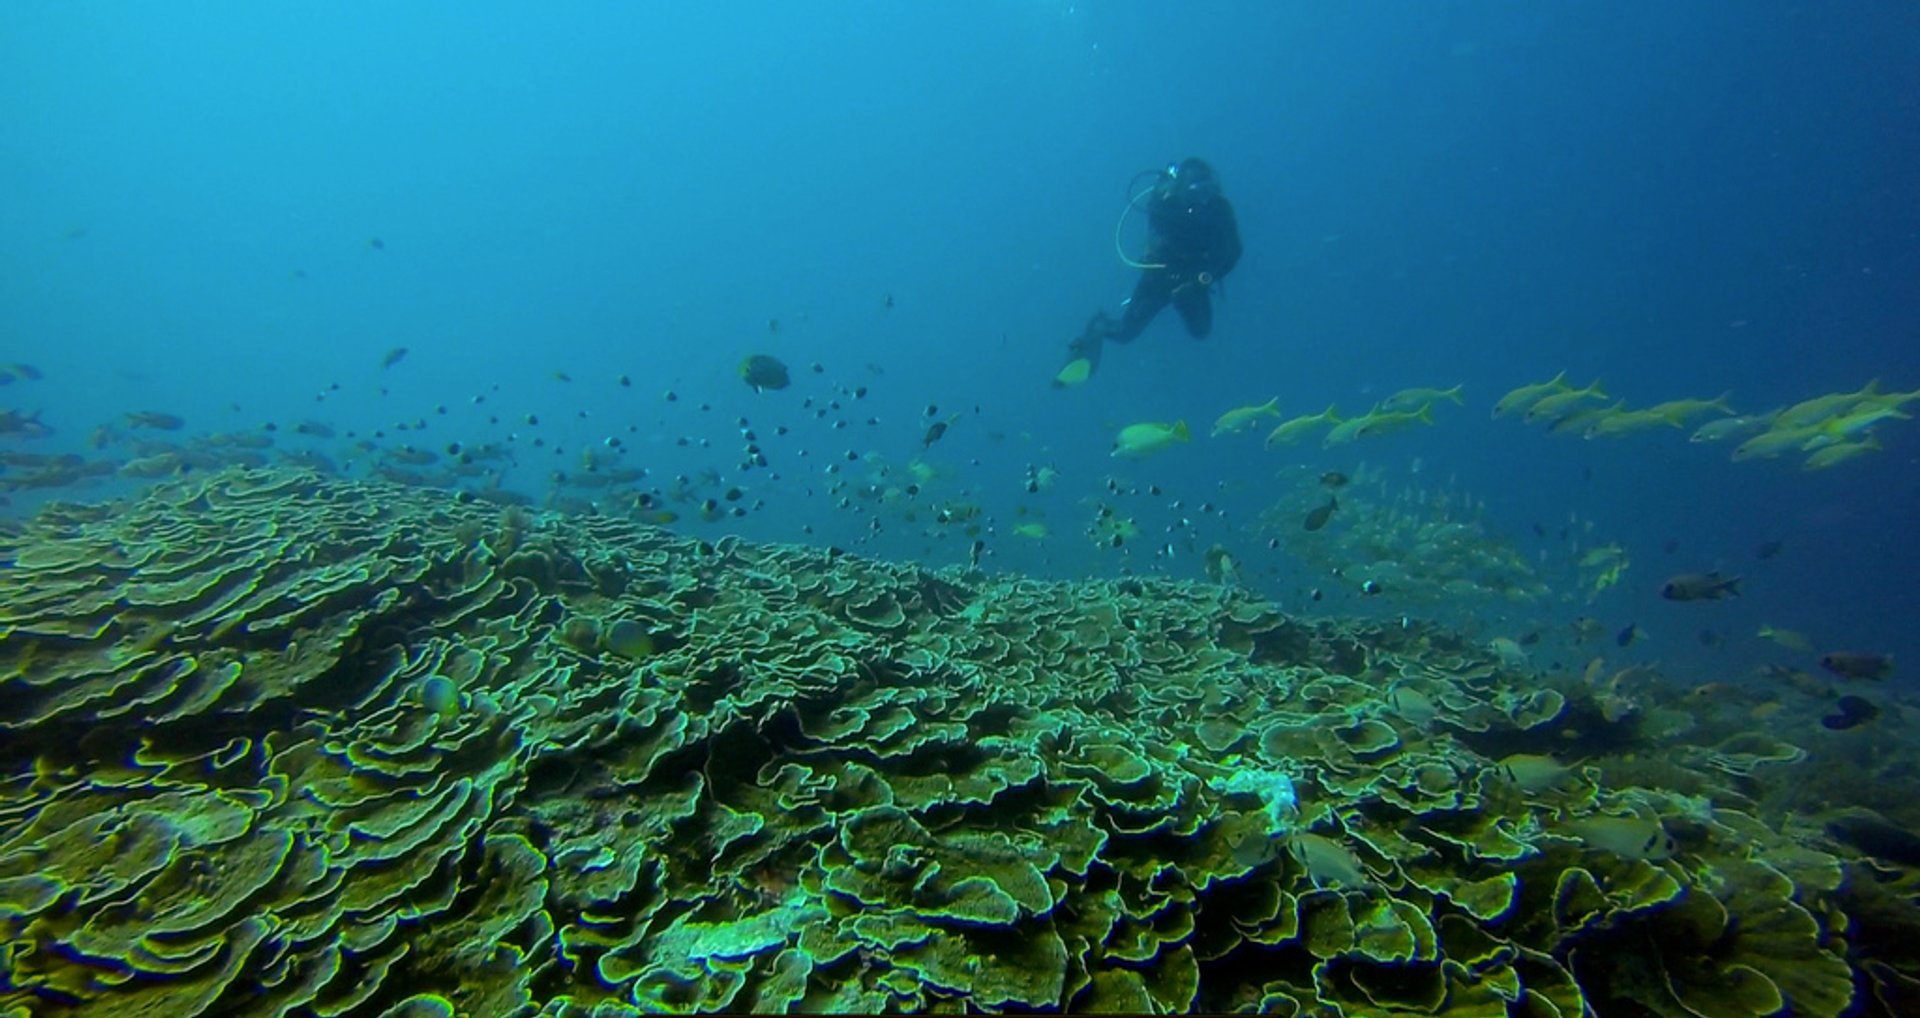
[{"x": 278, "y": 743}]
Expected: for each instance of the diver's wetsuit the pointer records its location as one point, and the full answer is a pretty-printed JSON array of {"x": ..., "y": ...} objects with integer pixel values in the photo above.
[{"x": 1195, "y": 247}]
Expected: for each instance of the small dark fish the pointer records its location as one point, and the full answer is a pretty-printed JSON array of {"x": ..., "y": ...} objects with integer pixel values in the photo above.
[
  {"x": 28, "y": 372},
  {"x": 1529, "y": 639},
  {"x": 377, "y": 244},
  {"x": 764, "y": 372},
  {"x": 318, "y": 429},
  {"x": 394, "y": 356},
  {"x": 773, "y": 325},
  {"x": 1767, "y": 549},
  {"x": 934, "y": 431},
  {"x": 1709, "y": 638},
  {"x": 887, "y": 302},
  {"x": 1334, "y": 479},
  {"x": 1849, "y": 665},
  {"x": 1853, "y": 711},
  {"x": 1672, "y": 545},
  {"x": 1371, "y": 587},
  {"x": 1876, "y": 837},
  {"x": 1628, "y": 636},
  {"x": 561, "y": 376},
  {"x": 13, "y": 422},
  {"x": 1700, "y": 587},
  {"x": 154, "y": 419},
  {"x": 1319, "y": 517}
]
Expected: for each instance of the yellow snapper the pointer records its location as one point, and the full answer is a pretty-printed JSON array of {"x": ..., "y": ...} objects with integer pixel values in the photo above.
[
  {"x": 1772, "y": 443},
  {"x": 1374, "y": 424},
  {"x": 1727, "y": 427},
  {"x": 1834, "y": 455},
  {"x": 1676, "y": 411},
  {"x": 1289, "y": 432},
  {"x": 1414, "y": 399},
  {"x": 1819, "y": 408},
  {"x": 1149, "y": 437},
  {"x": 1851, "y": 425},
  {"x": 1241, "y": 418},
  {"x": 1622, "y": 422},
  {"x": 1552, "y": 406},
  {"x": 1527, "y": 395}
]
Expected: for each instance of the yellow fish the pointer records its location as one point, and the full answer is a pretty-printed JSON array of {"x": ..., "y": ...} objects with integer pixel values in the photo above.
[
  {"x": 1241, "y": 418},
  {"x": 1819, "y": 408},
  {"x": 1621, "y": 422},
  {"x": 1551, "y": 406},
  {"x": 1769, "y": 444},
  {"x": 1834, "y": 455},
  {"x": 1035, "y": 531},
  {"x": 1527, "y": 395},
  {"x": 1375, "y": 423},
  {"x": 1149, "y": 437},
  {"x": 1727, "y": 427},
  {"x": 1414, "y": 399},
  {"x": 1786, "y": 638},
  {"x": 1289, "y": 432},
  {"x": 1677, "y": 411},
  {"x": 1834, "y": 430}
]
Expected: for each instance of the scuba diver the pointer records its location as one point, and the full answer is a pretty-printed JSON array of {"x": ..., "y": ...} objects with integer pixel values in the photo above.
[{"x": 1192, "y": 242}]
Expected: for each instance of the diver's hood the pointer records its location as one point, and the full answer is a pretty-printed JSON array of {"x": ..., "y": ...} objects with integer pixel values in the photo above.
[{"x": 1189, "y": 184}]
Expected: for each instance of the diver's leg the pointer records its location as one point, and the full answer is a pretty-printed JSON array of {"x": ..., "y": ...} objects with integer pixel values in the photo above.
[
  {"x": 1196, "y": 309},
  {"x": 1150, "y": 294}
]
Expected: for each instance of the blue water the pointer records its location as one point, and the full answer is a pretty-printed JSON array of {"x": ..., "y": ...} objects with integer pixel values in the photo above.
[{"x": 1678, "y": 202}]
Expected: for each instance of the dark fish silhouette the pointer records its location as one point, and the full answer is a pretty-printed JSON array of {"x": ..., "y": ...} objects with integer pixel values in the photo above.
[
  {"x": 154, "y": 419},
  {"x": 394, "y": 356},
  {"x": 1877, "y": 838},
  {"x": 1319, "y": 517},
  {"x": 1701, "y": 587},
  {"x": 1853, "y": 711},
  {"x": 764, "y": 372},
  {"x": 1849, "y": 665}
]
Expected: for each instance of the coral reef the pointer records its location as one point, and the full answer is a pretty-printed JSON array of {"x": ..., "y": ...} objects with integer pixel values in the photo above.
[{"x": 275, "y": 744}]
